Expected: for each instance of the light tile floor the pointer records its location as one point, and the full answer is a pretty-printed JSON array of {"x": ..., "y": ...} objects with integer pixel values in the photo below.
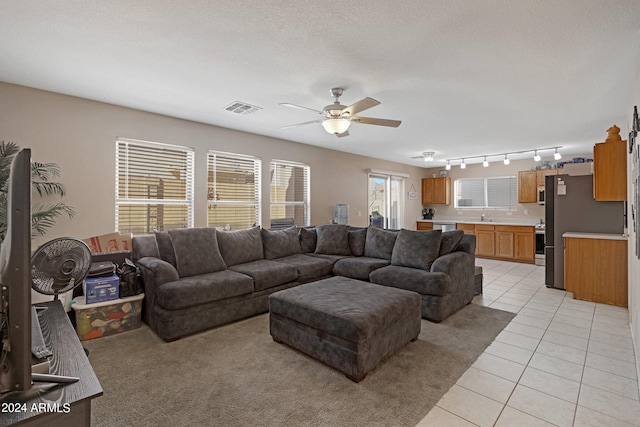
[{"x": 559, "y": 362}]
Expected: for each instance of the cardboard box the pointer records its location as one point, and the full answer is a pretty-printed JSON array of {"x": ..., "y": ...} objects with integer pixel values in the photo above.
[
  {"x": 107, "y": 318},
  {"x": 100, "y": 289},
  {"x": 112, "y": 242}
]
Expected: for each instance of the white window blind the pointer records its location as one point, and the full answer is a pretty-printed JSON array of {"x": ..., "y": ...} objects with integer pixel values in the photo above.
[
  {"x": 290, "y": 194},
  {"x": 493, "y": 192},
  {"x": 233, "y": 196},
  {"x": 154, "y": 186}
]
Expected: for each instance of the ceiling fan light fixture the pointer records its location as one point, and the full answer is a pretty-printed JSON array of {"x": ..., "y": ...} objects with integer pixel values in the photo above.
[
  {"x": 428, "y": 156},
  {"x": 336, "y": 126}
]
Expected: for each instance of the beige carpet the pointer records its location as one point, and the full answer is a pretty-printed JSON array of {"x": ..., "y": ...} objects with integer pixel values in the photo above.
[{"x": 236, "y": 375}]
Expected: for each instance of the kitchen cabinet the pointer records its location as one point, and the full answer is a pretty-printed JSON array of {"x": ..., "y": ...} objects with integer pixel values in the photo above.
[
  {"x": 485, "y": 240},
  {"x": 610, "y": 171},
  {"x": 424, "y": 225},
  {"x": 541, "y": 174},
  {"x": 467, "y": 228},
  {"x": 436, "y": 191},
  {"x": 527, "y": 187},
  {"x": 595, "y": 268},
  {"x": 505, "y": 242}
]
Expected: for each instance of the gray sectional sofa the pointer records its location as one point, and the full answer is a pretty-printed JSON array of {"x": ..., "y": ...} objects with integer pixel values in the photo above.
[{"x": 199, "y": 278}]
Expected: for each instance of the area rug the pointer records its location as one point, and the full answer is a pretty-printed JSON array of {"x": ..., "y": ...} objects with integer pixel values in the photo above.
[{"x": 236, "y": 375}]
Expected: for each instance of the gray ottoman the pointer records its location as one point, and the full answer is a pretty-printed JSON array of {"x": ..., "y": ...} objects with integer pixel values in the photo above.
[{"x": 348, "y": 324}]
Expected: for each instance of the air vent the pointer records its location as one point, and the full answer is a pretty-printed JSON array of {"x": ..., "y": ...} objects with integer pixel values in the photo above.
[{"x": 242, "y": 108}]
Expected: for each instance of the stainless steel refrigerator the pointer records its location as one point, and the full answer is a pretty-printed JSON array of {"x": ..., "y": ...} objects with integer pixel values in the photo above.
[{"x": 574, "y": 211}]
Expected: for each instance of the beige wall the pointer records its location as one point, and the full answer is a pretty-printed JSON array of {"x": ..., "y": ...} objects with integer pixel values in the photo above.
[{"x": 80, "y": 136}]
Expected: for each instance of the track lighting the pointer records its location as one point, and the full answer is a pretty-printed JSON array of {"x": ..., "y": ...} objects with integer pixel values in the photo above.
[{"x": 506, "y": 155}]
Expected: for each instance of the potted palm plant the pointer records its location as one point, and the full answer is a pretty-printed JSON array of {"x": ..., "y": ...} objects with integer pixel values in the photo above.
[{"x": 43, "y": 215}]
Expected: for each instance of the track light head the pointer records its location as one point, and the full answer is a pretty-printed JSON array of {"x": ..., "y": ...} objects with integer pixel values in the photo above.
[
  {"x": 557, "y": 155},
  {"x": 463, "y": 165},
  {"x": 536, "y": 156},
  {"x": 485, "y": 163},
  {"x": 506, "y": 160},
  {"x": 448, "y": 167}
]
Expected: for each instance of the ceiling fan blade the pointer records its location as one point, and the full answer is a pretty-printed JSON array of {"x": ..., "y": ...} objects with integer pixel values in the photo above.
[
  {"x": 301, "y": 124},
  {"x": 300, "y": 107},
  {"x": 345, "y": 133},
  {"x": 363, "y": 104},
  {"x": 374, "y": 121}
]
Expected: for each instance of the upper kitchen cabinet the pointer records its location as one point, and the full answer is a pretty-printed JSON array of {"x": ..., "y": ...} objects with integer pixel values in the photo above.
[
  {"x": 610, "y": 168},
  {"x": 527, "y": 187},
  {"x": 545, "y": 172},
  {"x": 436, "y": 191}
]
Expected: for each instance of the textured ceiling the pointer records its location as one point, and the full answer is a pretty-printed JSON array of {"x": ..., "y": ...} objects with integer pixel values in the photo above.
[{"x": 467, "y": 78}]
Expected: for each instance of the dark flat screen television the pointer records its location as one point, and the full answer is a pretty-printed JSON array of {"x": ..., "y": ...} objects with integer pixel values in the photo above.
[{"x": 15, "y": 279}]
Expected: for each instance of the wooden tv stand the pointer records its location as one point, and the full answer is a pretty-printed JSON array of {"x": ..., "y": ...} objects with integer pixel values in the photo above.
[{"x": 63, "y": 404}]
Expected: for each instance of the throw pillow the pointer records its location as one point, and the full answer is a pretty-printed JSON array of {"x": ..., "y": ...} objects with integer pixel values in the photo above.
[
  {"x": 165, "y": 247},
  {"x": 308, "y": 238},
  {"x": 449, "y": 241},
  {"x": 240, "y": 246},
  {"x": 280, "y": 243},
  {"x": 379, "y": 243},
  {"x": 357, "y": 239},
  {"x": 196, "y": 251},
  {"x": 416, "y": 249},
  {"x": 333, "y": 239}
]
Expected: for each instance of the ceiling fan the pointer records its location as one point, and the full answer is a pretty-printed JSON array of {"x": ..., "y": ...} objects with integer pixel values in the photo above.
[
  {"x": 427, "y": 156},
  {"x": 338, "y": 118}
]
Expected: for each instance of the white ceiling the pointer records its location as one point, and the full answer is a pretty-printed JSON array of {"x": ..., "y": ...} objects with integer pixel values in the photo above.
[{"x": 467, "y": 78}]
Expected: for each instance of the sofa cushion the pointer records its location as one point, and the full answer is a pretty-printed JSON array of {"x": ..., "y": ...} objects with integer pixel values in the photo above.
[
  {"x": 412, "y": 279},
  {"x": 308, "y": 238},
  {"x": 358, "y": 267},
  {"x": 196, "y": 251},
  {"x": 357, "y": 239},
  {"x": 309, "y": 267},
  {"x": 416, "y": 249},
  {"x": 449, "y": 241},
  {"x": 201, "y": 289},
  {"x": 267, "y": 273},
  {"x": 379, "y": 243},
  {"x": 165, "y": 247},
  {"x": 240, "y": 246},
  {"x": 280, "y": 243},
  {"x": 333, "y": 239}
]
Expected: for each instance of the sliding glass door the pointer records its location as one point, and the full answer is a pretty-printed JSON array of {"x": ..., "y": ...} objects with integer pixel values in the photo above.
[{"x": 386, "y": 209}]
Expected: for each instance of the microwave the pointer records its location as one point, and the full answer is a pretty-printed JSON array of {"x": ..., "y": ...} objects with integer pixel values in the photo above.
[{"x": 541, "y": 195}]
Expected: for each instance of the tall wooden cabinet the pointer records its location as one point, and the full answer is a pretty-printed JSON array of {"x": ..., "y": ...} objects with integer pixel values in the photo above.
[
  {"x": 610, "y": 171},
  {"x": 527, "y": 186},
  {"x": 436, "y": 191}
]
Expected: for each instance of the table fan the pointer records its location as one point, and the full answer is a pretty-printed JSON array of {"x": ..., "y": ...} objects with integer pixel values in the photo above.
[{"x": 60, "y": 265}]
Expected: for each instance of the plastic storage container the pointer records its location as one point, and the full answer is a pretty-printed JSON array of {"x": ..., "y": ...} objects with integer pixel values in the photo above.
[{"x": 108, "y": 317}]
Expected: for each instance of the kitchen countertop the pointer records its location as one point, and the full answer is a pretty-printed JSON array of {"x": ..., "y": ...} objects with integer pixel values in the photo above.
[
  {"x": 597, "y": 236},
  {"x": 526, "y": 223}
]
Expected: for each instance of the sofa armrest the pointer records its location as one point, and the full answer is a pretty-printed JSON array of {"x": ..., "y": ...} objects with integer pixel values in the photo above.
[
  {"x": 447, "y": 263},
  {"x": 156, "y": 271}
]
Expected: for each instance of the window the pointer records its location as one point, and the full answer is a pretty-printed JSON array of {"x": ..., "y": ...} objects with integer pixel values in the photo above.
[
  {"x": 233, "y": 196},
  {"x": 154, "y": 186},
  {"x": 386, "y": 207},
  {"x": 494, "y": 192},
  {"x": 290, "y": 198}
]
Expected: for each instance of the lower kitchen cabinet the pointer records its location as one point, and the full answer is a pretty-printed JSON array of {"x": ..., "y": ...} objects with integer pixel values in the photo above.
[
  {"x": 595, "y": 269},
  {"x": 424, "y": 225},
  {"x": 505, "y": 242}
]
